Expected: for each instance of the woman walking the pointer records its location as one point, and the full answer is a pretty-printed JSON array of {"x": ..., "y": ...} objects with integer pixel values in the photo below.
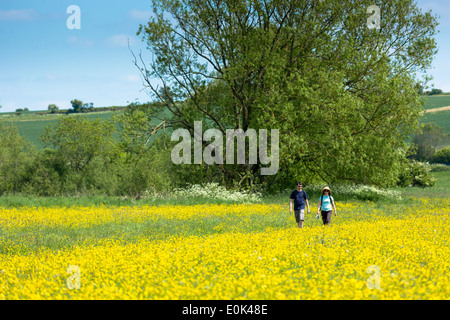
[{"x": 326, "y": 204}]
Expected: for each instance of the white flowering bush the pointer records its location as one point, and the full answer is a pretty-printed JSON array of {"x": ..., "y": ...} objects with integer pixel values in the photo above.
[
  {"x": 153, "y": 193},
  {"x": 416, "y": 174},
  {"x": 361, "y": 192},
  {"x": 215, "y": 191}
]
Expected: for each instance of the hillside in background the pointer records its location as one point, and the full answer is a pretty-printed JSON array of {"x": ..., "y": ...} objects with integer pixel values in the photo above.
[
  {"x": 436, "y": 101},
  {"x": 441, "y": 118},
  {"x": 32, "y": 124}
]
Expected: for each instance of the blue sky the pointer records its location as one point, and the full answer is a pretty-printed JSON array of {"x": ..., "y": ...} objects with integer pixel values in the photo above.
[{"x": 44, "y": 62}]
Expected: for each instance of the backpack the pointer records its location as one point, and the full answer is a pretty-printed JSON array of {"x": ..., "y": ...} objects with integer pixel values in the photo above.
[{"x": 331, "y": 199}]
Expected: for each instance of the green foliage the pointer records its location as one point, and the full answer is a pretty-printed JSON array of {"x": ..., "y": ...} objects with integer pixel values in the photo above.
[
  {"x": 138, "y": 127},
  {"x": 416, "y": 174},
  {"x": 19, "y": 111},
  {"x": 83, "y": 153},
  {"x": 146, "y": 146},
  {"x": 434, "y": 91},
  {"x": 78, "y": 140},
  {"x": 345, "y": 192},
  {"x": 427, "y": 141},
  {"x": 83, "y": 158},
  {"x": 78, "y": 106},
  {"x": 442, "y": 156},
  {"x": 149, "y": 173},
  {"x": 15, "y": 156},
  {"x": 53, "y": 108},
  {"x": 344, "y": 97},
  {"x": 42, "y": 177}
]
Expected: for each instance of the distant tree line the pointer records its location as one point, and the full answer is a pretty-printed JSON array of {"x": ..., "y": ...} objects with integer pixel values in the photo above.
[
  {"x": 77, "y": 106},
  {"x": 433, "y": 92},
  {"x": 19, "y": 111}
]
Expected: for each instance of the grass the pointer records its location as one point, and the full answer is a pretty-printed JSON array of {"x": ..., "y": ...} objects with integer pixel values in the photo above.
[
  {"x": 436, "y": 101},
  {"x": 233, "y": 256},
  {"x": 57, "y": 238},
  {"x": 18, "y": 200},
  {"x": 441, "y": 118}
]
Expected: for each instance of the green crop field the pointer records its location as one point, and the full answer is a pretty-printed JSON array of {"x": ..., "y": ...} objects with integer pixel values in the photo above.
[
  {"x": 32, "y": 125},
  {"x": 436, "y": 101},
  {"x": 441, "y": 118}
]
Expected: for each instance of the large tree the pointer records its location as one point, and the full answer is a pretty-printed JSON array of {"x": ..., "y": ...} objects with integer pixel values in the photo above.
[{"x": 339, "y": 85}]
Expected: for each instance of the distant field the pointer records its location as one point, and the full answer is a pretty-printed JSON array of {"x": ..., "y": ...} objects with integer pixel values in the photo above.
[
  {"x": 31, "y": 125},
  {"x": 437, "y": 101},
  {"x": 441, "y": 118}
]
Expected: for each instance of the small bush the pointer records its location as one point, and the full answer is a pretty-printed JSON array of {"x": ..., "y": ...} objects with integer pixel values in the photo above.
[
  {"x": 442, "y": 156},
  {"x": 416, "y": 174},
  {"x": 439, "y": 168}
]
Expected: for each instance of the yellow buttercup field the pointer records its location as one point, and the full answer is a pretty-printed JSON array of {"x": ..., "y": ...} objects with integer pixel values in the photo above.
[{"x": 245, "y": 251}]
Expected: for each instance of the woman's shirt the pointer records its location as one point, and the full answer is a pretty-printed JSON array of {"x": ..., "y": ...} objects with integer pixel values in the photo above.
[{"x": 326, "y": 203}]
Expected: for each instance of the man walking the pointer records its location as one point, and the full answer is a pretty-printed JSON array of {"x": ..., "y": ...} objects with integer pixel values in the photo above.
[{"x": 300, "y": 199}]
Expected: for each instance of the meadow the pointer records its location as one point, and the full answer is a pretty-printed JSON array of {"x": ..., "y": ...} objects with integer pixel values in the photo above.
[
  {"x": 391, "y": 244},
  {"x": 200, "y": 249}
]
